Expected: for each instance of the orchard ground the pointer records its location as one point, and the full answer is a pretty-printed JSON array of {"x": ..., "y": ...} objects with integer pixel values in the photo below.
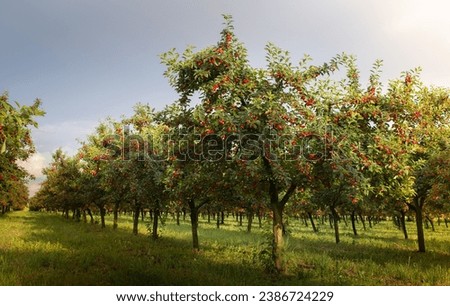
[{"x": 46, "y": 249}]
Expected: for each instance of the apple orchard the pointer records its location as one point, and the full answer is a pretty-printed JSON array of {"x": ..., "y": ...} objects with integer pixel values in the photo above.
[{"x": 286, "y": 140}]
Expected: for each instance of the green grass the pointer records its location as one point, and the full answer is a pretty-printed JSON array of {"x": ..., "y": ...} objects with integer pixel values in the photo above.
[{"x": 45, "y": 249}]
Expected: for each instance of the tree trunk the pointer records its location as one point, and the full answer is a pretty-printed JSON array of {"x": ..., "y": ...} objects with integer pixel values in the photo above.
[
  {"x": 352, "y": 216},
  {"x": 369, "y": 218},
  {"x": 344, "y": 218},
  {"x": 278, "y": 240},
  {"x": 311, "y": 219},
  {"x": 335, "y": 217},
  {"x": 431, "y": 223},
  {"x": 155, "y": 224},
  {"x": 178, "y": 217},
  {"x": 194, "y": 225},
  {"x": 90, "y": 215},
  {"x": 403, "y": 223},
  {"x": 277, "y": 207},
  {"x": 419, "y": 223},
  {"x": 218, "y": 220},
  {"x": 77, "y": 215},
  {"x": 209, "y": 216},
  {"x": 363, "y": 221},
  {"x": 396, "y": 221},
  {"x": 137, "y": 210},
  {"x": 249, "y": 221},
  {"x": 115, "y": 216},
  {"x": 102, "y": 216},
  {"x": 278, "y": 225},
  {"x": 305, "y": 220}
]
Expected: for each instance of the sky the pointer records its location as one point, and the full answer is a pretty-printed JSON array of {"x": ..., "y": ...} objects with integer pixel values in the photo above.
[{"x": 90, "y": 59}]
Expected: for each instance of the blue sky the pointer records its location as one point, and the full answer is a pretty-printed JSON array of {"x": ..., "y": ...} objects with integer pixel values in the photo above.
[{"x": 89, "y": 59}]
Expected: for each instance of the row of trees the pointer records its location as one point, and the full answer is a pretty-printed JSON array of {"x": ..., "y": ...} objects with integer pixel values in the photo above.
[
  {"x": 297, "y": 139},
  {"x": 15, "y": 145}
]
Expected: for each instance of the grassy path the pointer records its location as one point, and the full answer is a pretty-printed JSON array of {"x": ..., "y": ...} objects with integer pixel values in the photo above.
[{"x": 45, "y": 249}]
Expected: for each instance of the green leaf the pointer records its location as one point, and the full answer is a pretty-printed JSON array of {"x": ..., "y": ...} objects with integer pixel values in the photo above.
[{"x": 3, "y": 147}]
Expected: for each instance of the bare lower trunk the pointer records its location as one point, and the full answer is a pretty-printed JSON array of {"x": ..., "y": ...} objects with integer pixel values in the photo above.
[
  {"x": 115, "y": 216},
  {"x": 77, "y": 215},
  {"x": 137, "y": 210},
  {"x": 419, "y": 224},
  {"x": 344, "y": 219},
  {"x": 90, "y": 215},
  {"x": 431, "y": 223},
  {"x": 155, "y": 224},
  {"x": 194, "y": 225},
  {"x": 352, "y": 216},
  {"x": 305, "y": 220},
  {"x": 311, "y": 219},
  {"x": 178, "y": 217},
  {"x": 363, "y": 221},
  {"x": 102, "y": 216},
  {"x": 277, "y": 206},
  {"x": 278, "y": 240},
  {"x": 403, "y": 224},
  {"x": 249, "y": 221},
  {"x": 335, "y": 217}
]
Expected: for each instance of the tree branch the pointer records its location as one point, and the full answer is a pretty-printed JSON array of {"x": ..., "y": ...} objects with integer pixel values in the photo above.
[{"x": 288, "y": 194}]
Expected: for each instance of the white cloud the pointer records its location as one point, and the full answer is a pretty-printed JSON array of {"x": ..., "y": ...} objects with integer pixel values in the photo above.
[
  {"x": 425, "y": 16},
  {"x": 64, "y": 135},
  {"x": 48, "y": 138},
  {"x": 33, "y": 187},
  {"x": 34, "y": 164},
  {"x": 408, "y": 34}
]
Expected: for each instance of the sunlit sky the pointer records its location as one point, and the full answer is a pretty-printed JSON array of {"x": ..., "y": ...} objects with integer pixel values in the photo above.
[{"x": 89, "y": 59}]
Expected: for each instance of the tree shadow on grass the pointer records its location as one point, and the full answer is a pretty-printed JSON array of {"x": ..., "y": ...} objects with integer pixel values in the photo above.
[
  {"x": 389, "y": 264},
  {"x": 64, "y": 252}
]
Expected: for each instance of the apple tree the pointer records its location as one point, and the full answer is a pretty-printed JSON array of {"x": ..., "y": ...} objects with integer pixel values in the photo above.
[{"x": 15, "y": 145}]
